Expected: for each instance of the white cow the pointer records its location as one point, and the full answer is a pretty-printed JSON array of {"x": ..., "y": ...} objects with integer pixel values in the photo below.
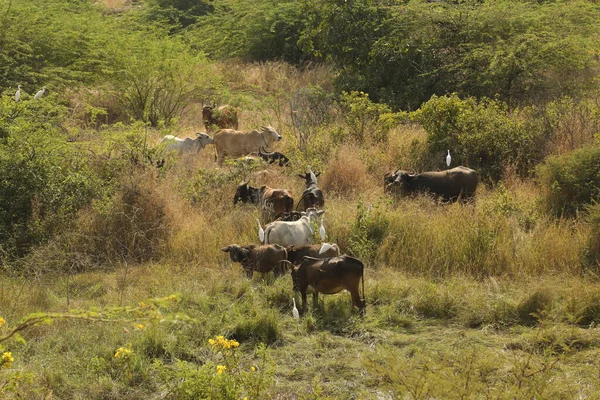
[
  {"x": 187, "y": 145},
  {"x": 293, "y": 233}
]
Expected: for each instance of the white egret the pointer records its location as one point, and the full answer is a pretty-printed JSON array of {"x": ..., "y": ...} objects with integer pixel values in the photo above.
[
  {"x": 261, "y": 232},
  {"x": 448, "y": 159},
  {"x": 295, "y": 312},
  {"x": 40, "y": 93},
  {"x": 325, "y": 247},
  {"x": 313, "y": 177},
  {"x": 322, "y": 231},
  {"x": 18, "y": 94}
]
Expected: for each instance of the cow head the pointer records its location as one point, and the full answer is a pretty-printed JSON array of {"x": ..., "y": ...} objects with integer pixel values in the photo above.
[
  {"x": 403, "y": 181},
  {"x": 308, "y": 179},
  {"x": 246, "y": 193},
  {"x": 269, "y": 134},
  {"x": 237, "y": 253},
  {"x": 202, "y": 139}
]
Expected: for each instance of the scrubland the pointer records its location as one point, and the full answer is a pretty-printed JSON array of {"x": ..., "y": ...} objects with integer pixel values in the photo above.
[{"x": 113, "y": 284}]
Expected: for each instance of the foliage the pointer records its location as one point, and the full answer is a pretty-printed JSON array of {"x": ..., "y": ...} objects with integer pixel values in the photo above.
[
  {"x": 367, "y": 232},
  {"x": 482, "y": 135},
  {"x": 159, "y": 77},
  {"x": 364, "y": 117},
  {"x": 45, "y": 181},
  {"x": 255, "y": 31},
  {"x": 570, "y": 181}
]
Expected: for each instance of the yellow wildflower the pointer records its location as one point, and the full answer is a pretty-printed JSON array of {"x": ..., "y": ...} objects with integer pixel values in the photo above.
[
  {"x": 221, "y": 369},
  {"x": 139, "y": 326},
  {"x": 253, "y": 368},
  {"x": 7, "y": 359},
  {"x": 123, "y": 352},
  {"x": 2, "y": 321}
]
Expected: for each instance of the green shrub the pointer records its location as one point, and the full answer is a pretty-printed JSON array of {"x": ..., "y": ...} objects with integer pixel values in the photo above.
[
  {"x": 570, "y": 181},
  {"x": 482, "y": 135},
  {"x": 45, "y": 181}
]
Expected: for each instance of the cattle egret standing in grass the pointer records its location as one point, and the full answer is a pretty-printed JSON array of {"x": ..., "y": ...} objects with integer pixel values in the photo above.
[
  {"x": 322, "y": 231},
  {"x": 295, "y": 312},
  {"x": 18, "y": 94},
  {"x": 448, "y": 159},
  {"x": 40, "y": 93},
  {"x": 261, "y": 232}
]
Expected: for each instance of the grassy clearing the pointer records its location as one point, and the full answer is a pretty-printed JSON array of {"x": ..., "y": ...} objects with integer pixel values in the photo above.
[{"x": 421, "y": 338}]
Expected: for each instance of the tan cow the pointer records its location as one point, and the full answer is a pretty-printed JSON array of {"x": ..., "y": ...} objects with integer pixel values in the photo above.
[{"x": 232, "y": 143}]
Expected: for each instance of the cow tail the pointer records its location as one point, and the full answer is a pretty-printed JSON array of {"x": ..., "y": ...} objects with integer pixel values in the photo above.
[
  {"x": 301, "y": 199},
  {"x": 362, "y": 277}
]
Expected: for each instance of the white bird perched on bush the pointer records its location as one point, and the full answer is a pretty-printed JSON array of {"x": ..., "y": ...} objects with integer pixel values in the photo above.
[
  {"x": 295, "y": 312},
  {"x": 448, "y": 159},
  {"x": 322, "y": 231},
  {"x": 18, "y": 94},
  {"x": 261, "y": 232},
  {"x": 40, "y": 93}
]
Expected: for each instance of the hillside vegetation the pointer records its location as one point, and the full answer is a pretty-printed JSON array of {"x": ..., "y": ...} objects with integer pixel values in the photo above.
[{"x": 113, "y": 283}]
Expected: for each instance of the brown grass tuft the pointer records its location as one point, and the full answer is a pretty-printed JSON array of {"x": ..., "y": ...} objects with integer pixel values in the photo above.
[{"x": 346, "y": 172}]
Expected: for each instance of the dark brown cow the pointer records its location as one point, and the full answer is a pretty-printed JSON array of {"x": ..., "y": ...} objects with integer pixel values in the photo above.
[
  {"x": 312, "y": 197},
  {"x": 296, "y": 254},
  {"x": 266, "y": 258},
  {"x": 223, "y": 117},
  {"x": 272, "y": 201},
  {"x": 449, "y": 185},
  {"x": 329, "y": 276}
]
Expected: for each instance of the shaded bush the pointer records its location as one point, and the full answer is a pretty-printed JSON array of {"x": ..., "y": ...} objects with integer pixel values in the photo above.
[
  {"x": 570, "y": 181},
  {"x": 482, "y": 135}
]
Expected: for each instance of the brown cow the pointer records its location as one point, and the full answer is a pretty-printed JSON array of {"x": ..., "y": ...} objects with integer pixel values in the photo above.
[
  {"x": 329, "y": 276},
  {"x": 274, "y": 202},
  {"x": 296, "y": 254},
  {"x": 266, "y": 258},
  {"x": 223, "y": 117}
]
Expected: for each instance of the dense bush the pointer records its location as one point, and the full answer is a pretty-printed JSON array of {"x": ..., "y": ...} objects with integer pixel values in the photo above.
[
  {"x": 571, "y": 181},
  {"x": 45, "y": 181},
  {"x": 482, "y": 135}
]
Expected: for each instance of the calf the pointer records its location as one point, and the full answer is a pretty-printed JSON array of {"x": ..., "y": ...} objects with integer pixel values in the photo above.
[
  {"x": 312, "y": 195},
  {"x": 329, "y": 276},
  {"x": 277, "y": 201},
  {"x": 296, "y": 254},
  {"x": 274, "y": 156},
  {"x": 271, "y": 257}
]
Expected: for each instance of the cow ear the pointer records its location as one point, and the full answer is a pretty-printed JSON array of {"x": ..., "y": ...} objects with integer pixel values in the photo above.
[
  {"x": 318, "y": 174},
  {"x": 301, "y": 176},
  {"x": 226, "y": 249}
]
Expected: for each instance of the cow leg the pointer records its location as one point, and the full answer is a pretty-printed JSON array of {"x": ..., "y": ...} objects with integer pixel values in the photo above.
[
  {"x": 316, "y": 299},
  {"x": 357, "y": 301},
  {"x": 249, "y": 273},
  {"x": 303, "y": 293}
]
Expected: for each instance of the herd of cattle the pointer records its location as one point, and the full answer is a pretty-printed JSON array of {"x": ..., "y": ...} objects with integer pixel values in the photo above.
[{"x": 287, "y": 240}]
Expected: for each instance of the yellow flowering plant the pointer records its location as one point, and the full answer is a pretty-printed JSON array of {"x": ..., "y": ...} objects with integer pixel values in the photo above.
[{"x": 6, "y": 360}]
